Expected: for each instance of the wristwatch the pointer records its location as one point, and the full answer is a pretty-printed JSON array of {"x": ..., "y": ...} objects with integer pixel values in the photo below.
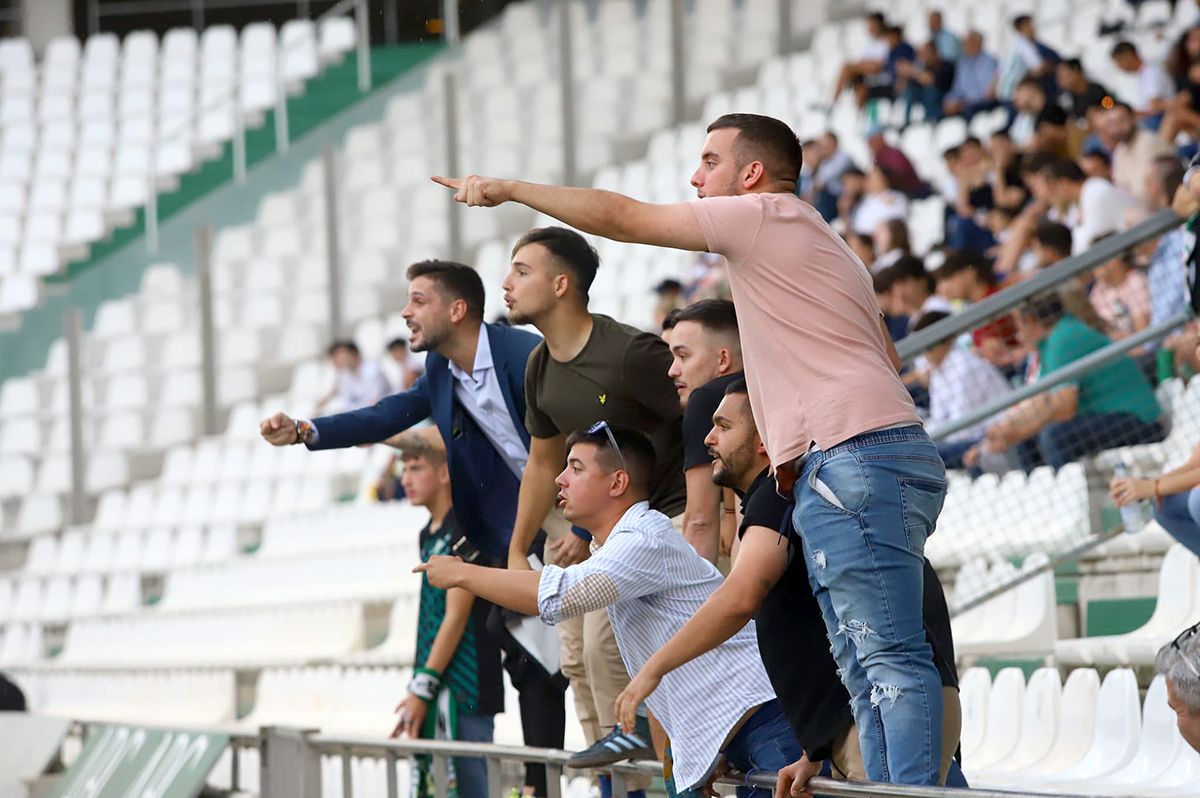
[{"x": 303, "y": 431}]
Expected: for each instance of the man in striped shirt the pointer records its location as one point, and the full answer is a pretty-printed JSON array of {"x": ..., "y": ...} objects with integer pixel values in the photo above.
[{"x": 719, "y": 705}]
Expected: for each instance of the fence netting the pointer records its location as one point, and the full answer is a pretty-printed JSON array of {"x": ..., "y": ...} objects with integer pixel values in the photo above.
[{"x": 1031, "y": 482}]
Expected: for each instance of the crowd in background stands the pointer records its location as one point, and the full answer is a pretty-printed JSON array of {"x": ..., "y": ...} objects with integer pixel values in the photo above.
[{"x": 1072, "y": 165}]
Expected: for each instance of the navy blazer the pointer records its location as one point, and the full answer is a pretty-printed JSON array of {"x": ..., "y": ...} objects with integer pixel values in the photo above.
[{"x": 482, "y": 485}]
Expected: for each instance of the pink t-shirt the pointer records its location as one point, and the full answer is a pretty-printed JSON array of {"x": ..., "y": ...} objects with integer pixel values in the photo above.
[{"x": 817, "y": 363}]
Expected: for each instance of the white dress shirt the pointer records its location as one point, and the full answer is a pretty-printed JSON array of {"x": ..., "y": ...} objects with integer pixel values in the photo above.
[
  {"x": 361, "y": 388},
  {"x": 1102, "y": 209},
  {"x": 480, "y": 395},
  {"x": 652, "y": 582}
]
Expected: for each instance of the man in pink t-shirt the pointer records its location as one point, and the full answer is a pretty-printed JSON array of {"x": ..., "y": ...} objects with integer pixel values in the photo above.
[{"x": 841, "y": 430}]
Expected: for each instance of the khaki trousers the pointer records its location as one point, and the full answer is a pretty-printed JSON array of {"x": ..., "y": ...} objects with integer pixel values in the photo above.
[{"x": 847, "y": 756}]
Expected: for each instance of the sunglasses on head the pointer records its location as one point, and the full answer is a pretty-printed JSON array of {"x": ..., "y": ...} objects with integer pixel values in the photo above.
[
  {"x": 1177, "y": 644},
  {"x": 603, "y": 425}
]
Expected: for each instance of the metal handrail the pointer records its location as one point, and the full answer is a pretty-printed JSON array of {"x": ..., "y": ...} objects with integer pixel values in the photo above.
[{"x": 361, "y": 746}]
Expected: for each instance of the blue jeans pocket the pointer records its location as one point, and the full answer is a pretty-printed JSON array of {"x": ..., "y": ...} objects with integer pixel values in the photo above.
[
  {"x": 841, "y": 482},
  {"x": 920, "y": 503}
]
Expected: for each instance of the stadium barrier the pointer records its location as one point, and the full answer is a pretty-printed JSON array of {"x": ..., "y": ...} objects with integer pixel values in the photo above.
[
  {"x": 1015, "y": 514},
  {"x": 291, "y": 768}
]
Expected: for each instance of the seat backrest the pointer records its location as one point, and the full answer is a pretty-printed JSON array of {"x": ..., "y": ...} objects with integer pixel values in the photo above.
[
  {"x": 1077, "y": 721},
  {"x": 1177, "y": 587},
  {"x": 974, "y": 689},
  {"x": 1039, "y": 717}
]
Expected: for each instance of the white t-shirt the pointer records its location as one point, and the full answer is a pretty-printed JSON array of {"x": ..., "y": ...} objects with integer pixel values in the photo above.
[
  {"x": 1153, "y": 84},
  {"x": 874, "y": 50},
  {"x": 1102, "y": 207},
  {"x": 877, "y": 208}
]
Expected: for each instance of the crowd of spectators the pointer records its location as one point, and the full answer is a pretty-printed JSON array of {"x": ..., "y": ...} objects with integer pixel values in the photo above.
[{"x": 1072, "y": 164}]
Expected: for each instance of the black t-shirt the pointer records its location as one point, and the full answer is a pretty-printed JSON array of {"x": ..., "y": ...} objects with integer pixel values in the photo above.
[
  {"x": 1050, "y": 115},
  {"x": 697, "y": 419},
  {"x": 1077, "y": 105},
  {"x": 791, "y": 634},
  {"x": 793, "y": 641}
]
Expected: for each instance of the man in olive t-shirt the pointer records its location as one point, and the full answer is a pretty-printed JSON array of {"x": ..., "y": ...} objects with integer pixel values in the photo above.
[
  {"x": 590, "y": 368},
  {"x": 620, "y": 376}
]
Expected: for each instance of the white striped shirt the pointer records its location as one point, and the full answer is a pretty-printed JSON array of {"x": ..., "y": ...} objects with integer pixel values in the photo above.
[{"x": 653, "y": 582}]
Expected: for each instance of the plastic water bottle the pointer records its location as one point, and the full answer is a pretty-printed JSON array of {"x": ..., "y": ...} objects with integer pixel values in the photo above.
[{"x": 1133, "y": 515}]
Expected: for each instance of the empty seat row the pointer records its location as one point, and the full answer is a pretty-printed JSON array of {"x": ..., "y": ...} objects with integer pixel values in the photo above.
[
  {"x": 1011, "y": 516},
  {"x": 165, "y": 698},
  {"x": 245, "y": 638},
  {"x": 356, "y": 525},
  {"x": 63, "y": 597},
  {"x": 157, "y": 549},
  {"x": 375, "y": 574},
  {"x": 1085, "y": 736},
  {"x": 252, "y": 502}
]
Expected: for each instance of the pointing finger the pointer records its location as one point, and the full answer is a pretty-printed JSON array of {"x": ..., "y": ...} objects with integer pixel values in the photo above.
[{"x": 448, "y": 182}]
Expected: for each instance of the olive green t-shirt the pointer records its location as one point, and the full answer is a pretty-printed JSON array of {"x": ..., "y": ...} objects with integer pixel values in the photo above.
[{"x": 619, "y": 376}]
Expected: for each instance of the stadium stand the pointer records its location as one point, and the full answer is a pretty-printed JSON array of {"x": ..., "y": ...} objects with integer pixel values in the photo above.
[{"x": 213, "y": 556}]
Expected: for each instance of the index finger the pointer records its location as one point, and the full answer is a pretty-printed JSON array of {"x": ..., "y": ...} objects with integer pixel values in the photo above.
[
  {"x": 420, "y": 568},
  {"x": 448, "y": 182}
]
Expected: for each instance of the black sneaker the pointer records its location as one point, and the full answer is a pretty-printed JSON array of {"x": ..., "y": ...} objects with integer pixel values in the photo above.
[{"x": 616, "y": 746}]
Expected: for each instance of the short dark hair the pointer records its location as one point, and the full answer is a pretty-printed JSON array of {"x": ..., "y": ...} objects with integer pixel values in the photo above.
[
  {"x": 1123, "y": 48},
  {"x": 766, "y": 139},
  {"x": 1046, "y": 309},
  {"x": 1020, "y": 20},
  {"x": 714, "y": 315},
  {"x": 1054, "y": 236},
  {"x": 1120, "y": 105},
  {"x": 346, "y": 344},
  {"x": 670, "y": 319},
  {"x": 1074, "y": 64},
  {"x": 1099, "y": 155},
  {"x": 1034, "y": 162},
  {"x": 396, "y": 343},
  {"x": 455, "y": 280},
  {"x": 1063, "y": 169},
  {"x": 636, "y": 450},
  {"x": 877, "y": 17},
  {"x": 737, "y": 385},
  {"x": 964, "y": 260},
  {"x": 1032, "y": 83},
  {"x": 930, "y": 318},
  {"x": 570, "y": 249}
]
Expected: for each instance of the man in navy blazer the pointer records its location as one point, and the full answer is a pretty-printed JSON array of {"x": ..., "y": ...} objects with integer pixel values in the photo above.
[{"x": 474, "y": 389}]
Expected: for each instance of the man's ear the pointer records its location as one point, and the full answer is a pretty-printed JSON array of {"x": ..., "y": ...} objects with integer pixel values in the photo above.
[
  {"x": 755, "y": 173},
  {"x": 562, "y": 284},
  {"x": 619, "y": 484},
  {"x": 458, "y": 310}
]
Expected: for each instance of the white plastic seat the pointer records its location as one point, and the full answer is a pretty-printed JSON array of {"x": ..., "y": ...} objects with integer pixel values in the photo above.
[
  {"x": 101, "y": 549},
  {"x": 1003, "y": 724},
  {"x": 40, "y": 513},
  {"x": 128, "y": 555},
  {"x": 1173, "y": 610},
  {"x": 1118, "y": 726},
  {"x": 298, "y": 50},
  {"x": 86, "y": 598},
  {"x": 338, "y": 36}
]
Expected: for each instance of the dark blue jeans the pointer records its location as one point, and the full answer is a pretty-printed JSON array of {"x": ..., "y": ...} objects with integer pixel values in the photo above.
[
  {"x": 1066, "y": 441},
  {"x": 472, "y": 773},
  {"x": 1180, "y": 516},
  {"x": 765, "y": 742}
]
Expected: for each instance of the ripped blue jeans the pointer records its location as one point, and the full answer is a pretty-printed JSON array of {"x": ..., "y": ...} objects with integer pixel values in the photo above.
[{"x": 864, "y": 509}]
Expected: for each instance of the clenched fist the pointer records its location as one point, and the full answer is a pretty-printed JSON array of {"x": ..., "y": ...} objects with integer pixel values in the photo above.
[{"x": 278, "y": 430}]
